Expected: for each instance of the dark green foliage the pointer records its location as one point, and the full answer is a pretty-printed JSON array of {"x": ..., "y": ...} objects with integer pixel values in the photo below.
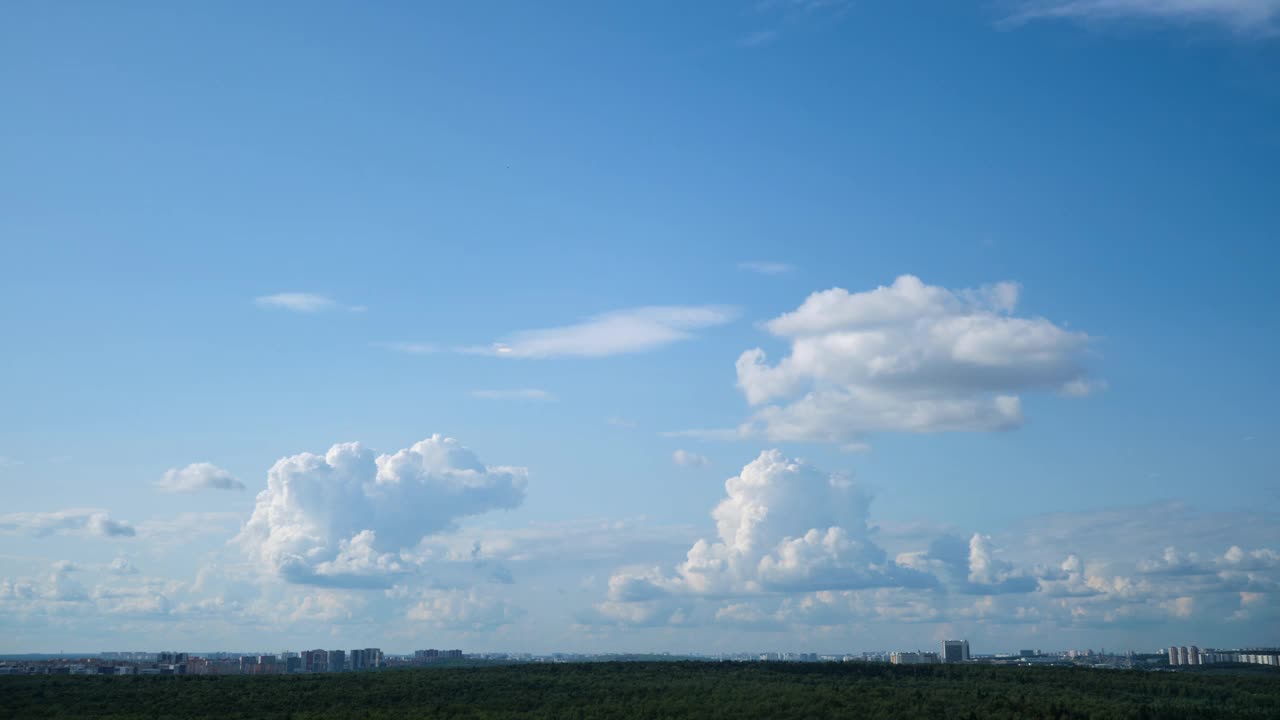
[{"x": 658, "y": 690}]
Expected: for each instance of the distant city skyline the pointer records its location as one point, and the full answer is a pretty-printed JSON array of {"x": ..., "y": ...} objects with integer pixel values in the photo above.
[{"x": 582, "y": 327}]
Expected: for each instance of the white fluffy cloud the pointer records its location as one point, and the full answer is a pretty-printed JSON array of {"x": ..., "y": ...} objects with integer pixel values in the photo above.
[
  {"x": 198, "y": 476},
  {"x": 973, "y": 568},
  {"x": 122, "y": 566},
  {"x": 784, "y": 526},
  {"x": 908, "y": 357},
  {"x": 684, "y": 458},
  {"x": 77, "y": 520},
  {"x": 1246, "y": 16},
  {"x": 350, "y": 517},
  {"x": 614, "y": 333},
  {"x": 62, "y": 594},
  {"x": 794, "y": 549},
  {"x": 462, "y": 610}
]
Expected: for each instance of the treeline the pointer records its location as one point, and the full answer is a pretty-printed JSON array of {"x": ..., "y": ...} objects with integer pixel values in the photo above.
[{"x": 733, "y": 691}]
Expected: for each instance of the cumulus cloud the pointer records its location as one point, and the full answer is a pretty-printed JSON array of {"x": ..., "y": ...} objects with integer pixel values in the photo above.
[
  {"x": 75, "y": 521},
  {"x": 783, "y": 526},
  {"x": 749, "y": 616},
  {"x": 614, "y": 333},
  {"x": 970, "y": 568},
  {"x": 462, "y": 610},
  {"x": 1171, "y": 562},
  {"x": 794, "y": 549},
  {"x": 1242, "y": 16},
  {"x": 991, "y": 574},
  {"x": 908, "y": 357},
  {"x": 684, "y": 458},
  {"x": 198, "y": 476},
  {"x": 60, "y": 593},
  {"x": 350, "y": 517},
  {"x": 326, "y": 606},
  {"x": 122, "y": 566}
]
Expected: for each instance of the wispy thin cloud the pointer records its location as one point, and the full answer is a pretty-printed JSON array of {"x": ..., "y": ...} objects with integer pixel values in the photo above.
[
  {"x": 1259, "y": 17},
  {"x": 303, "y": 302},
  {"x": 792, "y": 15},
  {"x": 89, "y": 521},
  {"x": 519, "y": 394},
  {"x": 761, "y": 267},
  {"x": 615, "y": 333}
]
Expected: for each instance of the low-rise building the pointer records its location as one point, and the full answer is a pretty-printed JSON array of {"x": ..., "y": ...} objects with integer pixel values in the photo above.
[{"x": 914, "y": 658}]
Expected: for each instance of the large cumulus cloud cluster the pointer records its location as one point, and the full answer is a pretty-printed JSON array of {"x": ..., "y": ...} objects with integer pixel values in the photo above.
[
  {"x": 795, "y": 548},
  {"x": 350, "y": 517},
  {"x": 908, "y": 357}
]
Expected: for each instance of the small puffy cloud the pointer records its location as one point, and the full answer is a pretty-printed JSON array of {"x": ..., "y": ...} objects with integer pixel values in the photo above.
[
  {"x": 785, "y": 524},
  {"x": 748, "y": 616},
  {"x": 75, "y": 521},
  {"x": 1242, "y": 16},
  {"x": 122, "y": 566},
  {"x": 765, "y": 268},
  {"x": 102, "y": 525},
  {"x": 909, "y": 357},
  {"x": 684, "y": 458},
  {"x": 1171, "y": 562},
  {"x": 614, "y": 333},
  {"x": 351, "y": 517},
  {"x": 326, "y": 606},
  {"x": 839, "y": 608},
  {"x": 1262, "y": 559},
  {"x": 520, "y": 394},
  {"x": 1191, "y": 564},
  {"x": 462, "y": 610},
  {"x": 198, "y": 476}
]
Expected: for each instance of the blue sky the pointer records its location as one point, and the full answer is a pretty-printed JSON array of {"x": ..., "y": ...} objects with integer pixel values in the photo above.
[{"x": 1009, "y": 266}]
